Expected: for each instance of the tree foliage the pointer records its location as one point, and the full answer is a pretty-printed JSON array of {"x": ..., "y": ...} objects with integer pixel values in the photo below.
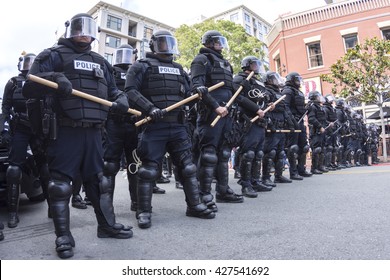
[
  {"x": 240, "y": 43},
  {"x": 363, "y": 72}
]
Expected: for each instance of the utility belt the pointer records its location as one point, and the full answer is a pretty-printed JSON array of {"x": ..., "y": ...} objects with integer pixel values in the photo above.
[
  {"x": 123, "y": 118},
  {"x": 177, "y": 117},
  {"x": 72, "y": 123}
]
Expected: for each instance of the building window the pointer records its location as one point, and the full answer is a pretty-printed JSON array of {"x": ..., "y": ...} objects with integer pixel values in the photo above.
[
  {"x": 386, "y": 33},
  {"x": 248, "y": 29},
  {"x": 148, "y": 32},
  {"x": 261, "y": 38},
  {"x": 114, "y": 23},
  {"x": 234, "y": 17},
  {"x": 259, "y": 25},
  {"x": 247, "y": 18},
  {"x": 350, "y": 41},
  {"x": 112, "y": 41},
  {"x": 265, "y": 29},
  {"x": 314, "y": 54},
  {"x": 109, "y": 57}
]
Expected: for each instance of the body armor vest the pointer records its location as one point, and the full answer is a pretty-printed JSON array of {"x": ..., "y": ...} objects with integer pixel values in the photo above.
[
  {"x": 164, "y": 84},
  {"x": 330, "y": 112},
  {"x": 320, "y": 113},
  {"x": 120, "y": 77},
  {"x": 276, "y": 115},
  {"x": 85, "y": 72},
  {"x": 221, "y": 71},
  {"x": 298, "y": 98},
  {"x": 18, "y": 100}
]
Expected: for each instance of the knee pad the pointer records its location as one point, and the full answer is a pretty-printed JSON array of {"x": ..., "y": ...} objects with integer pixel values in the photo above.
[
  {"x": 60, "y": 190},
  {"x": 248, "y": 156},
  {"x": 281, "y": 155},
  {"x": 317, "y": 150},
  {"x": 259, "y": 155},
  {"x": 224, "y": 154},
  {"x": 305, "y": 149},
  {"x": 294, "y": 149},
  {"x": 329, "y": 148},
  {"x": 111, "y": 168},
  {"x": 14, "y": 175},
  {"x": 271, "y": 154},
  {"x": 209, "y": 156},
  {"x": 148, "y": 171},
  {"x": 189, "y": 170}
]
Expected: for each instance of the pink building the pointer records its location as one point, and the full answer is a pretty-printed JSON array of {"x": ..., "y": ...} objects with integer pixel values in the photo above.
[{"x": 311, "y": 41}]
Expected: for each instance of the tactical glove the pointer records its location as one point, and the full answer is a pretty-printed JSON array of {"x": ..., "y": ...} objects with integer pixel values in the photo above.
[
  {"x": 202, "y": 91},
  {"x": 120, "y": 105},
  {"x": 156, "y": 113},
  {"x": 64, "y": 85}
]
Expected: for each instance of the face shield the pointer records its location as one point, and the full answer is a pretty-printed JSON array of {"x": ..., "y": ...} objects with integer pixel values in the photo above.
[
  {"x": 257, "y": 67},
  {"x": 321, "y": 99},
  {"x": 165, "y": 44},
  {"x": 26, "y": 62},
  {"x": 123, "y": 56},
  {"x": 276, "y": 80},
  {"x": 298, "y": 81},
  {"x": 219, "y": 43},
  {"x": 82, "y": 27}
]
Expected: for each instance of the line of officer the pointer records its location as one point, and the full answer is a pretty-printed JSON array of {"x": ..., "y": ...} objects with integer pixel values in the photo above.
[
  {"x": 78, "y": 144},
  {"x": 153, "y": 84},
  {"x": 14, "y": 111}
]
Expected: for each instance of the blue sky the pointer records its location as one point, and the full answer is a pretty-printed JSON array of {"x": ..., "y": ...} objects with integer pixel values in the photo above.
[{"x": 31, "y": 25}]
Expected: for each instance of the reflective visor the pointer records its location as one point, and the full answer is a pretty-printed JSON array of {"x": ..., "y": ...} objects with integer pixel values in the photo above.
[
  {"x": 82, "y": 26},
  {"x": 257, "y": 67},
  {"x": 123, "y": 56},
  {"x": 26, "y": 62},
  {"x": 165, "y": 44},
  {"x": 221, "y": 41}
]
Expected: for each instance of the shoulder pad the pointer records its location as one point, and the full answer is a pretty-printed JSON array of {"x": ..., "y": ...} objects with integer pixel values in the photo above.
[{"x": 45, "y": 54}]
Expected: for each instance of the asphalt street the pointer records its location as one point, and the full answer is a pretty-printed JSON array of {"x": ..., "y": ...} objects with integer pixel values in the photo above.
[{"x": 341, "y": 215}]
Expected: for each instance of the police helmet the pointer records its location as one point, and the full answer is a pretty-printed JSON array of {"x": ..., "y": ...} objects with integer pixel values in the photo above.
[
  {"x": 81, "y": 25},
  {"x": 274, "y": 79},
  {"x": 329, "y": 98},
  {"x": 213, "y": 37},
  {"x": 340, "y": 103},
  {"x": 163, "y": 42},
  {"x": 315, "y": 96},
  {"x": 123, "y": 55},
  {"x": 252, "y": 63},
  {"x": 294, "y": 79},
  {"x": 26, "y": 61}
]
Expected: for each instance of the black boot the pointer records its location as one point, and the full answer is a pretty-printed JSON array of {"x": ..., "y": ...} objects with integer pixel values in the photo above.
[
  {"x": 144, "y": 211},
  {"x": 279, "y": 178},
  {"x": 13, "y": 205},
  {"x": 224, "y": 192},
  {"x": 158, "y": 190},
  {"x": 195, "y": 208},
  {"x": 205, "y": 177},
  {"x": 78, "y": 202},
  {"x": 1, "y": 231},
  {"x": 246, "y": 165},
  {"x": 117, "y": 231},
  {"x": 267, "y": 173},
  {"x": 229, "y": 197}
]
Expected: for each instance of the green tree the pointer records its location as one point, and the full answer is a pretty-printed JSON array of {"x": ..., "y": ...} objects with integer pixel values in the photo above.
[
  {"x": 240, "y": 43},
  {"x": 363, "y": 74}
]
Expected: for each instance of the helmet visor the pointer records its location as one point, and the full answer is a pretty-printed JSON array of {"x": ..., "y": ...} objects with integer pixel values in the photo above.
[
  {"x": 123, "y": 56},
  {"x": 165, "y": 44},
  {"x": 26, "y": 62},
  {"x": 82, "y": 26},
  {"x": 257, "y": 67},
  {"x": 220, "y": 42}
]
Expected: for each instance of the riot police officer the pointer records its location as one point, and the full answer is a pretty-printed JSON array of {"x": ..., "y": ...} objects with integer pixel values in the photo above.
[
  {"x": 78, "y": 145},
  {"x": 317, "y": 123},
  {"x": 342, "y": 131},
  {"x": 279, "y": 119},
  {"x": 252, "y": 143},
  {"x": 209, "y": 67},
  {"x": 297, "y": 143},
  {"x": 152, "y": 84},
  {"x": 121, "y": 133},
  {"x": 330, "y": 136},
  {"x": 14, "y": 111}
]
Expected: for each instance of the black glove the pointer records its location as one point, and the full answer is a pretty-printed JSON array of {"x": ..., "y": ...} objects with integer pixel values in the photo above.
[
  {"x": 203, "y": 91},
  {"x": 156, "y": 113},
  {"x": 64, "y": 85},
  {"x": 120, "y": 105}
]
